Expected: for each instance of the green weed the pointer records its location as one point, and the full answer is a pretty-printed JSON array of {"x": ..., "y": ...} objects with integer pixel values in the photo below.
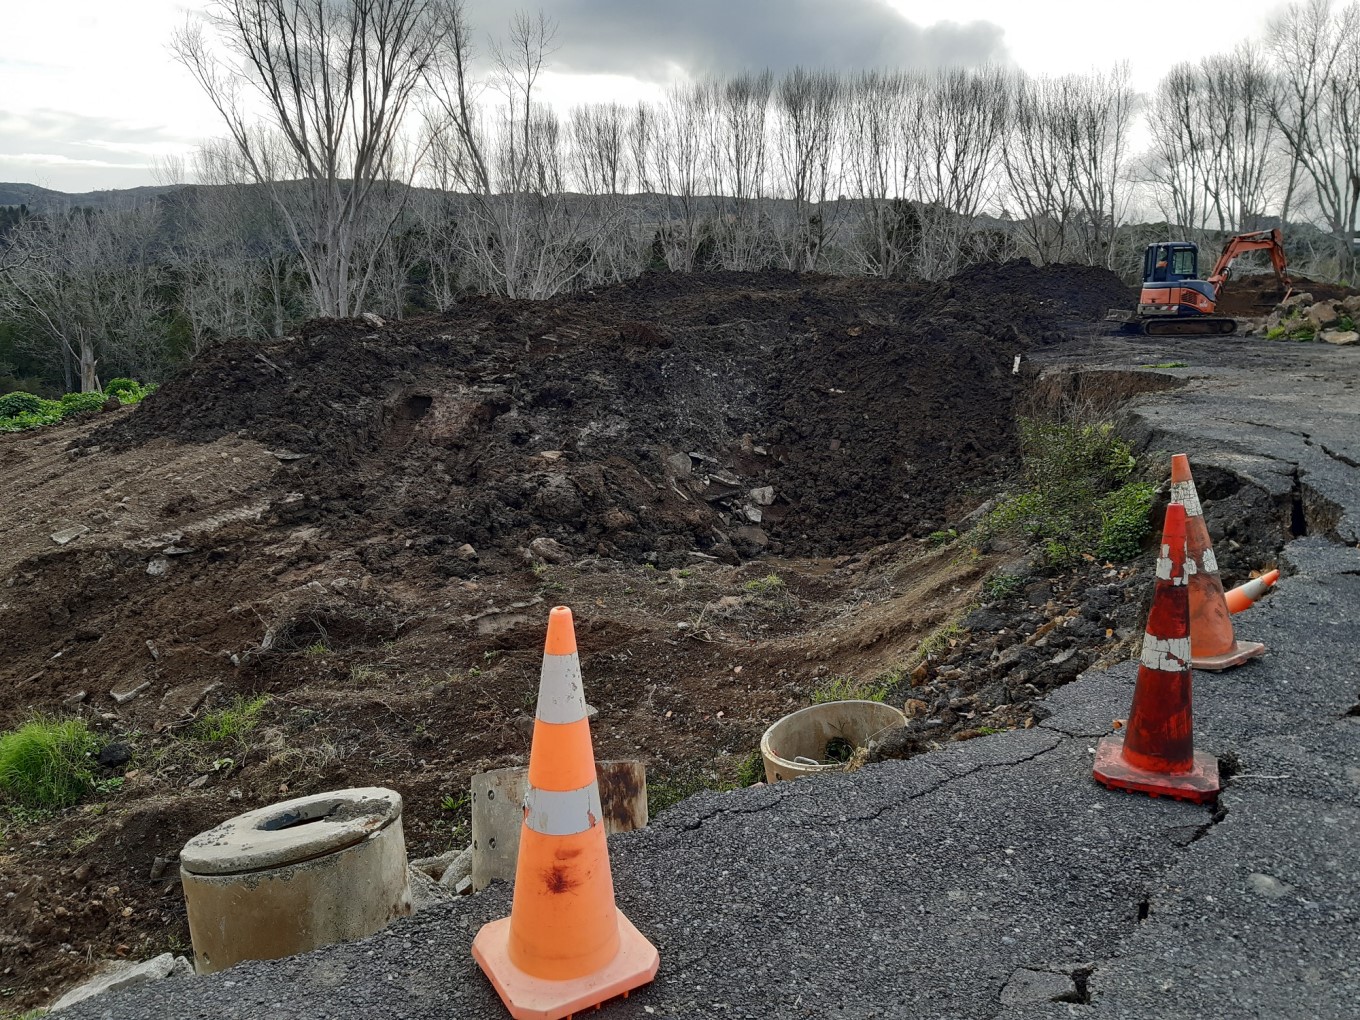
[
  {"x": 235, "y": 722},
  {"x": 847, "y": 688},
  {"x": 1125, "y": 521},
  {"x": 316, "y": 649},
  {"x": 366, "y": 675},
  {"x": 938, "y": 538},
  {"x": 666, "y": 789},
  {"x": 1071, "y": 470},
  {"x": 45, "y": 763},
  {"x": 1003, "y": 586},
  {"x": 770, "y": 584}
]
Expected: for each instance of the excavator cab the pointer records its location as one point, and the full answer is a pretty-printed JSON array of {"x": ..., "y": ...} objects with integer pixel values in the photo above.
[{"x": 1170, "y": 263}]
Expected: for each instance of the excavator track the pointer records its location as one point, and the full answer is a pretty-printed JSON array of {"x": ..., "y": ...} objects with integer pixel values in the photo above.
[{"x": 1198, "y": 326}]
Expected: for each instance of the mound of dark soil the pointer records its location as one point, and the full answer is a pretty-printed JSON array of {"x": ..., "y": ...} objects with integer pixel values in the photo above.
[
  {"x": 1260, "y": 293},
  {"x": 722, "y": 414},
  {"x": 1071, "y": 292}
]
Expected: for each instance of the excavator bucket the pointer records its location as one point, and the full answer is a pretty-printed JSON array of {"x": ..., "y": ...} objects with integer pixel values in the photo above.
[{"x": 1125, "y": 315}]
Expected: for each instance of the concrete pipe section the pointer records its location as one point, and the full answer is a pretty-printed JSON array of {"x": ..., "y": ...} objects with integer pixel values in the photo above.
[
  {"x": 498, "y": 813},
  {"x": 821, "y": 737},
  {"x": 288, "y": 878}
]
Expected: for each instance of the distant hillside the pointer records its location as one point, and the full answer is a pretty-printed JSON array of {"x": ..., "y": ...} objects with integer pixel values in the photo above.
[{"x": 42, "y": 199}]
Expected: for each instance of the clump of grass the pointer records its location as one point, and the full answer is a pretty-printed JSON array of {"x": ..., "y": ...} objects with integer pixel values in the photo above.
[
  {"x": 234, "y": 722},
  {"x": 938, "y": 639},
  {"x": 366, "y": 674},
  {"x": 938, "y": 538},
  {"x": 848, "y": 688},
  {"x": 1002, "y": 586},
  {"x": 668, "y": 788},
  {"x": 751, "y": 769},
  {"x": 1079, "y": 498},
  {"x": 316, "y": 649},
  {"x": 45, "y": 763},
  {"x": 770, "y": 584}
]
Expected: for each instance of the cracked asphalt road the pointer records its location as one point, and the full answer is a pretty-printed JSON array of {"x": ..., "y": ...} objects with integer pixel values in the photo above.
[{"x": 994, "y": 878}]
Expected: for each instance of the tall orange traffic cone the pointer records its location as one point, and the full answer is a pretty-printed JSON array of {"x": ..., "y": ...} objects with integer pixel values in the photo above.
[
  {"x": 1244, "y": 596},
  {"x": 565, "y": 945},
  {"x": 1155, "y": 752},
  {"x": 1212, "y": 643}
]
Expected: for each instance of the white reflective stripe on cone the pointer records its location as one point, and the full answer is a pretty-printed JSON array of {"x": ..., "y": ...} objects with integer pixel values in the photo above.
[
  {"x": 1184, "y": 493},
  {"x": 1167, "y": 655},
  {"x": 563, "y": 812},
  {"x": 561, "y": 698}
]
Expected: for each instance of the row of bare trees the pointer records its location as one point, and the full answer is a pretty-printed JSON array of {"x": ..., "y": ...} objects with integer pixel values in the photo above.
[{"x": 375, "y": 159}]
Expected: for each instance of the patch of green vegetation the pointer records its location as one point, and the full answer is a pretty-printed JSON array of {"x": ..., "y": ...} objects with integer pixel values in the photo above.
[
  {"x": 1302, "y": 334},
  {"x": 1002, "y": 586},
  {"x": 751, "y": 769},
  {"x": 668, "y": 788},
  {"x": 45, "y": 763},
  {"x": 1168, "y": 364},
  {"x": 1346, "y": 324},
  {"x": 235, "y": 722},
  {"x": 1070, "y": 470},
  {"x": 938, "y": 639},
  {"x": 1125, "y": 520},
  {"x": 1277, "y": 333},
  {"x": 770, "y": 584},
  {"x": 316, "y": 649},
  {"x": 366, "y": 674},
  {"x": 847, "y": 688},
  {"x": 938, "y": 538},
  {"x": 20, "y": 410}
]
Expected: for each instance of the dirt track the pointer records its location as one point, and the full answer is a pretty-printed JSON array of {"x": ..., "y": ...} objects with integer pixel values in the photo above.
[{"x": 290, "y": 520}]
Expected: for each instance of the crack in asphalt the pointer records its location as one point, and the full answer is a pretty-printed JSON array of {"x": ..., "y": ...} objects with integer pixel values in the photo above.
[{"x": 824, "y": 822}]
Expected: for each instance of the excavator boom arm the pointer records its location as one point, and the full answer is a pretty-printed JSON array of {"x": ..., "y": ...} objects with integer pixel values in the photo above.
[{"x": 1258, "y": 240}]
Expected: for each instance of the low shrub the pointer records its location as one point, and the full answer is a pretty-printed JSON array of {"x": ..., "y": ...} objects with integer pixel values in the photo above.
[
  {"x": 116, "y": 387},
  {"x": 14, "y": 404},
  {"x": 82, "y": 403},
  {"x": 1125, "y": 520},
  {"x": 234, "y": 722},
  {"x": 1071, "y": 470},
  {"x": 45, "y": 763}
]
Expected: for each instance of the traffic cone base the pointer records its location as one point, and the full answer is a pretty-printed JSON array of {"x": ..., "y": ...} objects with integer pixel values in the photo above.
[
  {"x": 1199, "y": 786},
  {"x": 1239, "y": 653},
  {"x": 531, "y": 998}
]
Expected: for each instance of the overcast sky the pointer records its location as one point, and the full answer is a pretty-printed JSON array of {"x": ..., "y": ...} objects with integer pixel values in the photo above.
[{"x": 90, "y": 96}]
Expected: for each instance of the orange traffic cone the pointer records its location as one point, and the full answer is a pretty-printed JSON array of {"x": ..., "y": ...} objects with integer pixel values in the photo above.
[
  {"x": 1244, "y": 596},
  {"x": 1212, "y": 643},
  {"x": 1155, "y": 752},
  {"x": 565, "y": 945}
]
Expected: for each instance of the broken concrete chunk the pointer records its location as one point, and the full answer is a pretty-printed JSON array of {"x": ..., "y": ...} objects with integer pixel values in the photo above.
[
  {"x": 753, "y": 514},
  {"x": 159, "y": 566},
  {"x": 465, "y": 552},
  {"x": 680, "y": 465},
  {"x": 124, "y": 697},
  {"x": 286, "y": 454},
  {"x": 457, "y": 869},
  {"x": 373, "y": 319},
  {"x": 1340, "y": 337},
  {"x": 122, "y": 975},
  {"x": 69, "y": 534},
  {"x": 763, "y": 496},
  {"x": 550, "y": 550}
]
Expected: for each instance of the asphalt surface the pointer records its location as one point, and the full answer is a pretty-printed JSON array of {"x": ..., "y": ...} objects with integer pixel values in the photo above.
[{"x": 994, "y": 878}]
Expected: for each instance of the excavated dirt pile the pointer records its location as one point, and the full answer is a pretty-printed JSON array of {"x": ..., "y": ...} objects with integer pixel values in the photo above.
[
  {"x": 726, "y": 415},
  {"x": 326, "y": 561}
]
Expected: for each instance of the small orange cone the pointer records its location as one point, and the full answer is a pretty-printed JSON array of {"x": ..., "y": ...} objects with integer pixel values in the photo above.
[
  {"x": 565, "y": 945},
  {"x": 1212, "y": 643},
  {"x": 1155, "y": 752},
  {"x": 1244, "y": 596}
]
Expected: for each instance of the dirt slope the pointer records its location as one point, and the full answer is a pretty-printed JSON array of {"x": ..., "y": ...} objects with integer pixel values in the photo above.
[{"x": 292, "y": 520}]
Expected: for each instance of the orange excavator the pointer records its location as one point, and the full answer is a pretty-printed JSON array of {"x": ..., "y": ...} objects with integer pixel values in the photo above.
[{"x": 1176, "y": 302}]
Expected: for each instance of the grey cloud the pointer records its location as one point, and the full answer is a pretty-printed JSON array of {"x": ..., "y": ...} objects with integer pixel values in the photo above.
[
  {"x": 650, "y": 40},
  {"x": 73, "y": 151}
]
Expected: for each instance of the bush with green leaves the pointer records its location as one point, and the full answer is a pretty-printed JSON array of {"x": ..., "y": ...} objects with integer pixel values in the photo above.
[
  {"x": 14, "y": 404},
  {"x": 1075, "y": 474},
  {"x": 115, "y": 387},
  {"x": 45, "y": 763},
  {"x": 82, "y": 403},
  {"x": 1125, "y": 521}
]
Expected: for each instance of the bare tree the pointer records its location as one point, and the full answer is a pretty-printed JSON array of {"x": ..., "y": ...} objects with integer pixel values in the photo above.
[
  {"x": 91, "y": 289},
  {"x": 679, "y": 169},
  {"x": 808, "y": 107},
  {"x": 1318, "y": 112},
  {"x": 1102, "y": 107},
  {"x": 335, "y": 79},
  {"x": 1039, "y": 164}
]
